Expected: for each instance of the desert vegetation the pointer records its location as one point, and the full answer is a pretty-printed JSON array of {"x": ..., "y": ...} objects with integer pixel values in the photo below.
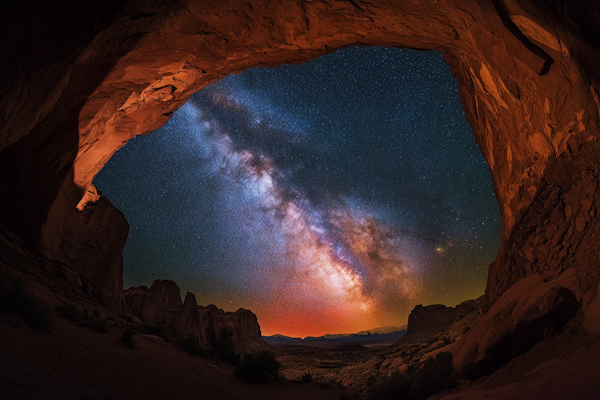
[
  {"x": 432, "y": 376},
  {"x": 255, "y": 367}
]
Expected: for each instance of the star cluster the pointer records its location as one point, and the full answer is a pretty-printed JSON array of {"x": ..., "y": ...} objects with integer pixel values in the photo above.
[{"x": 327, "y": 197}]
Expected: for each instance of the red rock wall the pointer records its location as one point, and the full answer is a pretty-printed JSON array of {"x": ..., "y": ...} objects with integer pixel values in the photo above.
[{"x": 79, "y": 82}]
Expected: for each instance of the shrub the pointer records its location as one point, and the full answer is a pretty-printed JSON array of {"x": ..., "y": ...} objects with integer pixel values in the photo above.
[
  {"x": 395, "y": 386},
  {"x": 254, "y": 367},
  {"x": 32, "y": 310},
  {"x": 127, "y": 338},
  {"x": 191, "y": 345},
  {"x": 466, "y": 329},
  {"x": 306, "y": 378},
  {"x": 222, "y": 347},
  {"x": 435, "y": 374}
]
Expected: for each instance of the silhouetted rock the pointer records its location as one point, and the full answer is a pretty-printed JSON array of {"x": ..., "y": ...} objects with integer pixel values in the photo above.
[
  {"x": 430, "y": 316},
  {"x": 162, "y": 303}
]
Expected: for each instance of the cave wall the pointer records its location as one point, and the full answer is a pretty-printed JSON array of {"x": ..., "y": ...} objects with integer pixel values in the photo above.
[{"x": 79, "y": 79}]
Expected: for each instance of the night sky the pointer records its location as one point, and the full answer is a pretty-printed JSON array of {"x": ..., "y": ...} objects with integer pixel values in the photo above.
[{"x": 329, "y": 197}]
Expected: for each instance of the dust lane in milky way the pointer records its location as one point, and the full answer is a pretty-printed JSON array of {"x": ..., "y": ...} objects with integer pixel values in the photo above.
[{"x": 328, "y": 197}]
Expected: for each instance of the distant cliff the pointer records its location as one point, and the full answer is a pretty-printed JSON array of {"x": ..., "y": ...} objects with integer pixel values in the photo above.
[
  {"x": 423, "y": 317},
  {"x": 162, "y": 302},
  {"x": 429, "y": 316}
]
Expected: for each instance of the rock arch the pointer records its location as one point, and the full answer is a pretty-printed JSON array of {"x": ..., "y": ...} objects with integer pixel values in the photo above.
[{"x": 81, "y": 79}]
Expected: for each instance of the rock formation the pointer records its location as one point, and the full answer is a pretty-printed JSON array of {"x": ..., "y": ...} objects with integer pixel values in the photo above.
[
  {"x": 150, "y": 304},
  {"x": 78, "y": 82},
  {"x": 92, "y": 245},
  {"x": 527, "y": 73},
  {"x": 467, "y": 306},
  {"x": 162, "y": 303},
  {"x": 517, "y": 321},
  {"x": 430, "y": 316},
  {"x": 440, "y": 316}
]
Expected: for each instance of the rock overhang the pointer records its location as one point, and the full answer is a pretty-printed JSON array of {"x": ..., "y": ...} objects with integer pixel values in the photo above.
[{"x": 525, "y": 73}]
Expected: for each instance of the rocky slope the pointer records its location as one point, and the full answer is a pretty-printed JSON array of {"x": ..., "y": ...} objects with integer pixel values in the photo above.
[{"x": 162, "y": 303}]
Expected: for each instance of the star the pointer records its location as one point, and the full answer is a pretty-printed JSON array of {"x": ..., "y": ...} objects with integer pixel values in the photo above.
[{"x": 315, "y": 195}]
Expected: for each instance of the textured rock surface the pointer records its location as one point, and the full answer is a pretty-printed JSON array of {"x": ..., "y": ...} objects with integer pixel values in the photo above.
[
  {"x": 162, "y": 302},
  {"x": 429, "y": 316},
  {"x": 78, "y": 82},
  {"x": 146, "y": 304},
  {"x": 527, "y": 73},
  {"x": 467, "y": 306},
  {"x": 92, "y": 245},
  {"x": 513, "y": 325}
]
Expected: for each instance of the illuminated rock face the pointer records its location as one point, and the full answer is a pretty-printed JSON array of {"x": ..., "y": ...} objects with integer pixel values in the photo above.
[{"x": 78, "y": 83}]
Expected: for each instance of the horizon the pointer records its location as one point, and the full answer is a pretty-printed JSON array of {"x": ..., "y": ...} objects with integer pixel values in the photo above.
[
  {"x": 334, "y": 334},
  {"x": 330, "y": 196}
]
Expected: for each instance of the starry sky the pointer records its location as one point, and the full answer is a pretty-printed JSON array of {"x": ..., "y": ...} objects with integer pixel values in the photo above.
[{"x": 327, "y": 197}]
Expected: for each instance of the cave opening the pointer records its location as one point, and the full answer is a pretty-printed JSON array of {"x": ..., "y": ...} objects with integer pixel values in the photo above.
[{"x": 327, "y": 197}]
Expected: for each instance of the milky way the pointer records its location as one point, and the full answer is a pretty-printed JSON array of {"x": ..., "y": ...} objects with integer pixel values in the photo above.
[{"x": 327, "y": 197}]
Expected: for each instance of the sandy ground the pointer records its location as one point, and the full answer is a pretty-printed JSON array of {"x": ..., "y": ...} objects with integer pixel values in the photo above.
[
  {"x": 324, "y": 364},
  {"x": 72, "y": 362}
]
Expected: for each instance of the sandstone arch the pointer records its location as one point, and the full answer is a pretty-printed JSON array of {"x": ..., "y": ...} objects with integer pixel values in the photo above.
[{"x": 81, "y": 79}]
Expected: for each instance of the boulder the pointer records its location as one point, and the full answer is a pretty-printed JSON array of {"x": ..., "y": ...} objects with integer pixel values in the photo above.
[{"x": 513, "y": 325}]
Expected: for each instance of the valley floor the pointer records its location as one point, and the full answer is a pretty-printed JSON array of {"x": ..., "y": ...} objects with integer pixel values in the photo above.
[{"x": 72, "y": 362}]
